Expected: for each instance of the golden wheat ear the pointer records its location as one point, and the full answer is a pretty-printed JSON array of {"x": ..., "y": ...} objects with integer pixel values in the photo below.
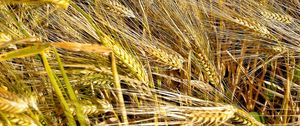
[
  {"x": 5, "y": 37},
  {"x": 172, "y": 60},
  {"x": 251, "y": 24},
  {"x": 259, "y": 29},
  {"x": 131, "y": 62},
  {"x": 277, "y": 17},
  {"x": 243, "y": 118},
  {"x": 101, "y": 106},
  {"x": 210, "y": 115},
  {"x": 60, "y": 3},
  {"x": 210, "y": 71},
  {"x": 11, "y": 103},
  {"x": 20, "y": 120},
  {"x": 117, "y": 8}
]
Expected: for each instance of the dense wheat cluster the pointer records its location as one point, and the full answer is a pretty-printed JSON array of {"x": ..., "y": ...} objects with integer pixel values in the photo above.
[{"x": 149, "y": 62}]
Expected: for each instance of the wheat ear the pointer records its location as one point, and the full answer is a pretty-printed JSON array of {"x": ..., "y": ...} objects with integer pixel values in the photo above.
[
  {"x": 118, "y": 9},
  {"x": 19, "y": 120},
  {"x": 173, "y": 60},
  {"x": 102, "y": 106},
  {"x": 61, "y": 3},
  {"x": 101, "y": 78},
  {"x": 5, "y": 37},
  {"x": 11, "y": 103},
  {"x": 210, "y": 115},
  {"x": 244, "y": 118},
  {"x": 257, "y": 27},
  {"x": 252, "y": 25},
  {"x": 129, "y": 60},
  {"x": 104, "y": 78},
  {"x": 210, "y": 71},
  {"x": 277, "y": 17}
]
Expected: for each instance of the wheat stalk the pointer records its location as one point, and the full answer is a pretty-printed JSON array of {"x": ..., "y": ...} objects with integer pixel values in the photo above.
[
  {"x": 118, "y": 87},
  {"x": 75, "y": 46}
]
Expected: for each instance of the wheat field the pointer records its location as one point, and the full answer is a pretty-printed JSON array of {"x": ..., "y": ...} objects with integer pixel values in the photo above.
[{"x": 149, "y": 62}]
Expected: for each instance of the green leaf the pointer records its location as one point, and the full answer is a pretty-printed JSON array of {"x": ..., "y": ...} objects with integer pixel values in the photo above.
[
  {"x": 24, "y": 52},
  {"x": 258, "y": 117}
]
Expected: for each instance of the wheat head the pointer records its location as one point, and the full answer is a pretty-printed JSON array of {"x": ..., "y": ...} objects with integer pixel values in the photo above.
[
  {"x": 242, "y": 117},
  {"x": 118, "y": 8},
  {"x": 11, "y": 103},
  {"x": 173, "y": 60},
  {"x": 277, "y": 17},
  {"x": 61, "y": 3},
  {"x": 135, "y": 67},
  {"x": 211, "y": 115},
  {"x": 210, "y": 71},
  {"x": 19, "y": 120},
  {"x": 252, "y": 25}
]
